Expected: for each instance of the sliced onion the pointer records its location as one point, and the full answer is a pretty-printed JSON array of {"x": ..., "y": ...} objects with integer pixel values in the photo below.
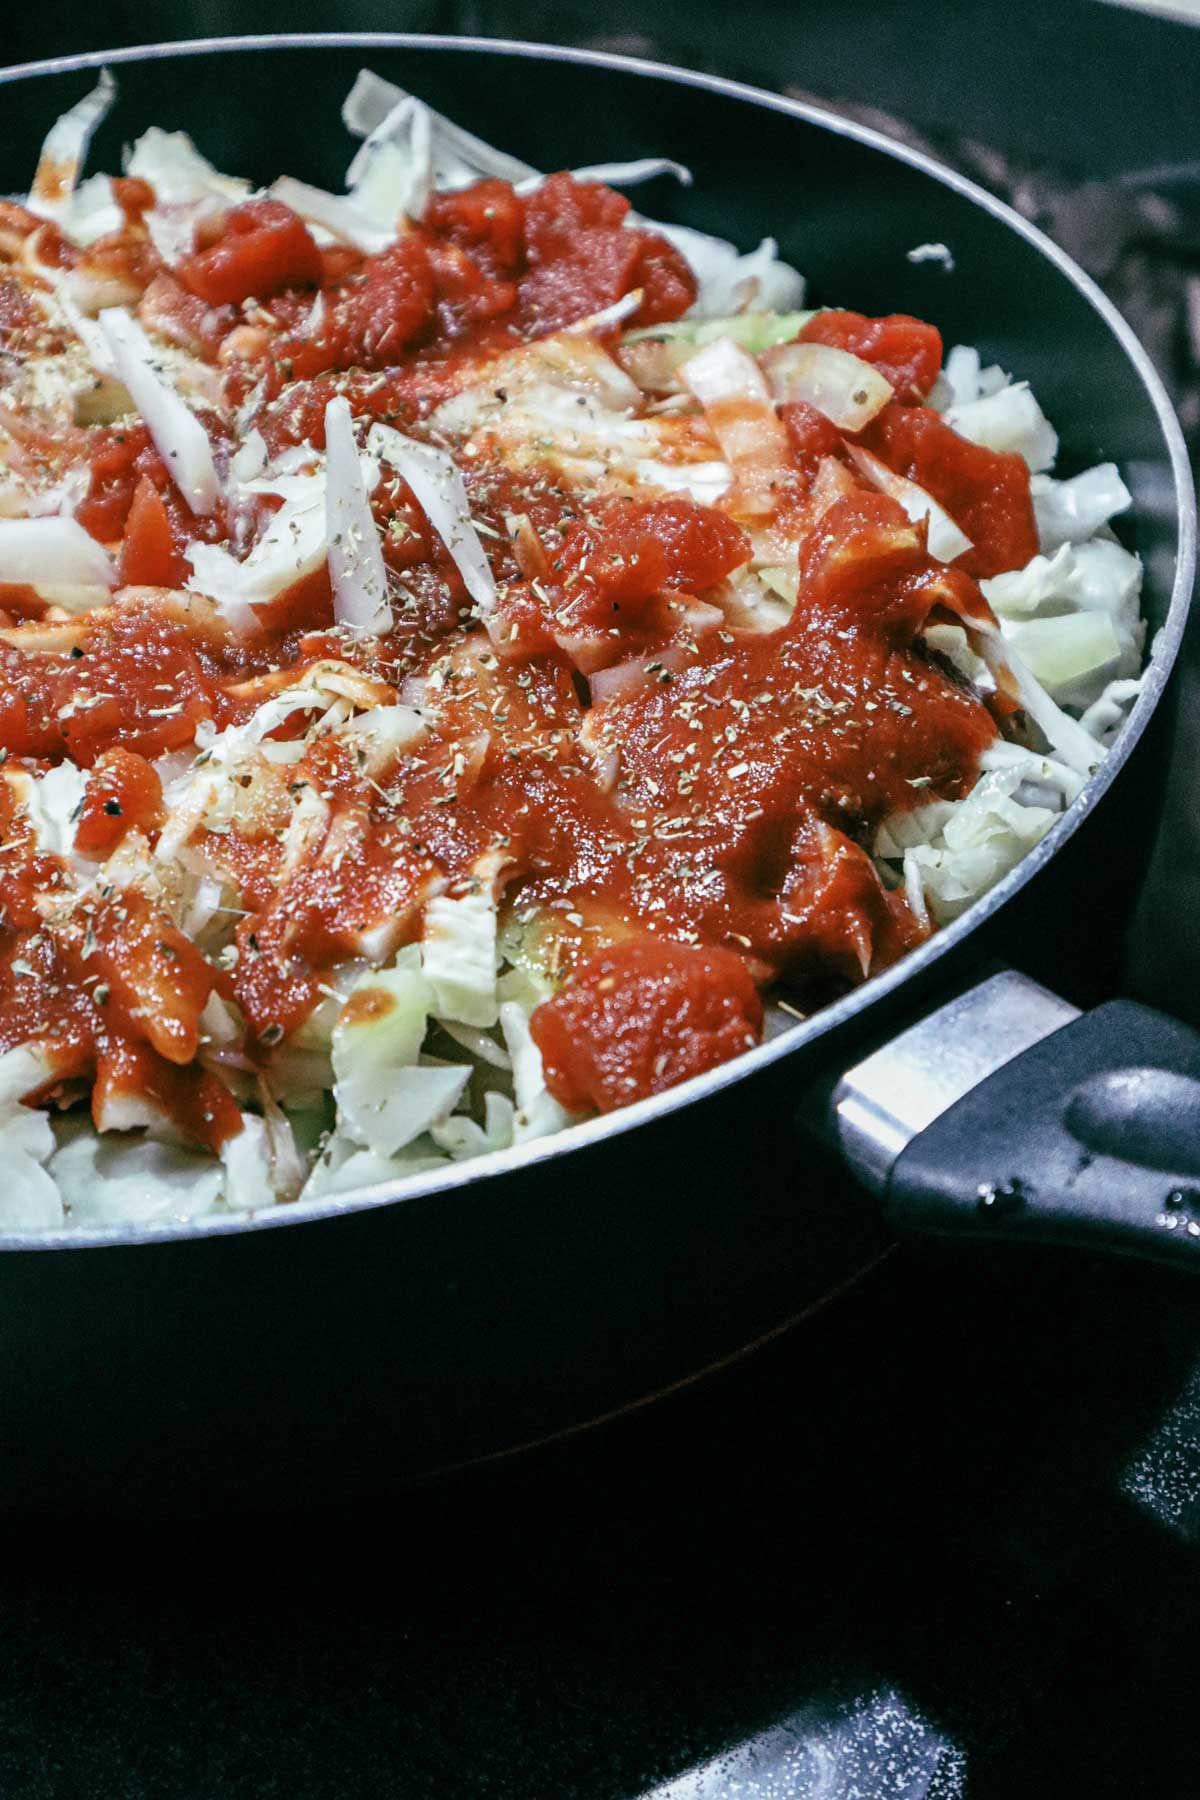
[
  {"x": 335, "y": 212},
  {"x": 292, "y": 546},
  {"x": 845, "y": 388},
  {"x": 704, "y": 482},
  {"x": 177, "y": 172},
  {"x": 732, "y": 389},
  {"x": 439, "y": 489},
  {"x": 945, "y": 540},
  {"x": 607, "y": 317},
  {"x": 392, "y": 172},
  {"x": 66, "y": 147},
  {"x": 52, "y": 552},
  {"x": 458, "y": 157},
  {"x": 356, "y": 569},
  {"x": 178, "y": 435},
  {"x": 382, "y": 733},
  {"x": 619, "y": 174}
]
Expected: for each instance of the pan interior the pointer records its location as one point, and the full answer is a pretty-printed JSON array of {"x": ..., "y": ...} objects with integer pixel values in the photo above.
[{"x": 845, "y": 207}]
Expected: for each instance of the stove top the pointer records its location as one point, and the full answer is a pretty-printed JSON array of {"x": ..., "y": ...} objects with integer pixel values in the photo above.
[{"x": 941, "y": 1544}]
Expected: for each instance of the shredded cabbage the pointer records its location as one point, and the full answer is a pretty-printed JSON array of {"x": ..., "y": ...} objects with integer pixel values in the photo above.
[
  {"x": 730, "y": 282},
  {"x": 1010, "y": 420},
  {"x": 343, "y": 1167},
  {"x": 435, "y": 153},
  {"x": 363, "y": 1077},
  {"x": 293, "y": 545},
  {"x": 952, "y": 642},
  {"x": 458, "y": 952},
  {"x": 460, "y": 1136},
  {"x": 52, "y": 803},
  {"x": 456, "y": 157},
  {"x": 1098, "y": 576},
  {"x": 178, "y": 173},
  {"x": 385, "y": 1098},
  {"x": 1064, "y": 734},
  {"x": 1083, "y": 603},
  {"x": 1067, "y": 512},
  {"x": 338, "y": 214},
  {"x": 248, "y": 1178},
  {"x": 607, "y": 317},
  {"x": 92, "y": 213},
  {"x": 29, "y": 1196},
  {"x": 174, "y": 228},
  {"x": 538, "y": 1112},
  {"x": 754, "y": 331},
  {"x": 969, "y": 845},
  {"x": 935, "y": 253},
  {"x": 392, "y": 174},
  {"x": 621, "y": 174},
  {"x": 1105, "y": 716},
  {"x": 1073, "y": 656},
  {"x": 120, "y": 1181}
]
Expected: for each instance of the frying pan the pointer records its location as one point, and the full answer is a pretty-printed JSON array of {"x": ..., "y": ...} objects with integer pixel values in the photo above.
[{"x": 401, "y": 1330}]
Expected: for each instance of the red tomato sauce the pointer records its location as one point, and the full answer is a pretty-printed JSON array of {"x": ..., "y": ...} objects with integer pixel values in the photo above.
[
  {"x": 984, "y": 491},
  {"x": 683, "y": 810},
  {"x": 124, "y": 794},
  {"x": 642, "y": 1017},
  {"x": 263, "y": 249}
]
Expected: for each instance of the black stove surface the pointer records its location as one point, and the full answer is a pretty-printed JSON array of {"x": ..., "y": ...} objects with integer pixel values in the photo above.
[{"x": 942, "y": 1543}]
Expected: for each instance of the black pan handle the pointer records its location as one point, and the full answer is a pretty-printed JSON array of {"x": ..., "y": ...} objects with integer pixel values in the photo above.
[{"x": 1008, "y": 1114}]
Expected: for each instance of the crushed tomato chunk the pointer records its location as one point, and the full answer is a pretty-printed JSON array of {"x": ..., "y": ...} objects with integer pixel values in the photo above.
[{"x": 642, "y": 1017}]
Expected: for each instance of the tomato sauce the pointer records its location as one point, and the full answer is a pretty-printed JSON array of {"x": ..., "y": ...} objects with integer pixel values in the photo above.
[
  {"x": 984, "y": 491},
  {"x": 124, "y": 794},
  {"x": 263, "y": 249},
  {"x": 115, "y": 999},
  {"x": 641, "y": 1017},
  {"x": 679, "y": 811}
]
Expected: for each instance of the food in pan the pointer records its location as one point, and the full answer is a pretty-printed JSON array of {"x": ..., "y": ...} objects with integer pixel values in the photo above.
[{"x": 463, "y": 644}]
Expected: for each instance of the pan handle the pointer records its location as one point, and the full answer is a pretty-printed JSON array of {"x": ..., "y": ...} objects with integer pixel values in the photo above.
[{"x": 1007, "y": 1113}]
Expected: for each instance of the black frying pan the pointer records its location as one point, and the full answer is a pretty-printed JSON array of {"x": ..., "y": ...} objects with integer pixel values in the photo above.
[{"x": 404, "y": 1330}]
